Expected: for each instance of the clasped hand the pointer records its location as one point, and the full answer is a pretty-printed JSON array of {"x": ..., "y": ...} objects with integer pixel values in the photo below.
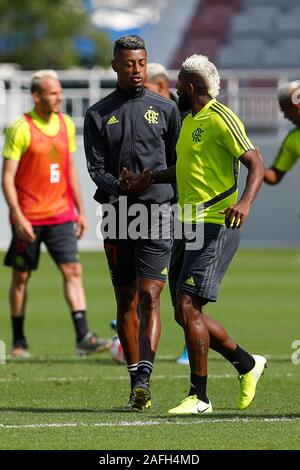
[{"x": 130, "y": 182}]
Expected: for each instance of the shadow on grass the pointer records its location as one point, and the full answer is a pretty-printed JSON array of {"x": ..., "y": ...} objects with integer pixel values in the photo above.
[
  {"x": 150, "y": 416},
  {"x": 41, "y": 410},
  {"x": 221, "y": 359},
  {"x": 231, "y": 416},
  {"x": 97, "y": 358},
  {"x": 48, "y": 360}
]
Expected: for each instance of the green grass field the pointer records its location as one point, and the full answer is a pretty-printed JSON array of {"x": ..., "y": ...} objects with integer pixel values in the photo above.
[{"x": 56, "y": 400}]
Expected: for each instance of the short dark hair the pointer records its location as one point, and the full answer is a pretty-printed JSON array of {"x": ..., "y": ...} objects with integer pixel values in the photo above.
[{"x": 131, "y": 42}]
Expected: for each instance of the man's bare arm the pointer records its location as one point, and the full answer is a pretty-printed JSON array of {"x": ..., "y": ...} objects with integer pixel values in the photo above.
[
  {"x": 273, "y": 176},
  {"x": 164, "y": 176},
  {"x": 22, "y": 225},
  {"x": 237, "y": 213}
]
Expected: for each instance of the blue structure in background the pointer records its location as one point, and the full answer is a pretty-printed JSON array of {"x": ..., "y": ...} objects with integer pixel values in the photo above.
[
  {"x": 85, "y": 46},
  {"x": 115, "y": 34},
  {"x": 103, "y": 19},
  {"x": 87, "y": 50}
]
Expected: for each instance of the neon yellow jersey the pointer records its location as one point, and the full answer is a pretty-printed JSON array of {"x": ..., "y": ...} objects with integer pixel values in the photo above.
[
  {"x": 289, "y": 151},
  {"x": 18, "y": 135},
  {"x": 208, "y": 149}
]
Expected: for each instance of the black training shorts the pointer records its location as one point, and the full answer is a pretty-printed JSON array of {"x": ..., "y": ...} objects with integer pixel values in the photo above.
[
  {"x": 60, "y": 240},
  {"x": 201, "y": 271},
  {"x": 147, "y": 256}
]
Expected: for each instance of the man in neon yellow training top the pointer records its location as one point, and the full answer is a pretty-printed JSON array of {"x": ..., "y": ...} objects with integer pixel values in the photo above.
[
  {"x": 211, "y": 144},
  {"x": 41, "y": 187},
  {"x": 289, "y": 102}
]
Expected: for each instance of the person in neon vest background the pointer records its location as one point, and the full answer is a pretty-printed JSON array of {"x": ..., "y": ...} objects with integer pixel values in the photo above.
[{"x": 41, "y": 187}]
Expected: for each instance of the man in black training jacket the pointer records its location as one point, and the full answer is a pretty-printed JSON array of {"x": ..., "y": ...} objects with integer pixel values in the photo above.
[{"x": 128, "y": 131}]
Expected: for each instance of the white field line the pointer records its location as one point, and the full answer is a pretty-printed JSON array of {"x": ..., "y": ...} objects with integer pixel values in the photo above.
[
  {"x": 125, "y": 377},
  {"x": 146, "y": 423}
]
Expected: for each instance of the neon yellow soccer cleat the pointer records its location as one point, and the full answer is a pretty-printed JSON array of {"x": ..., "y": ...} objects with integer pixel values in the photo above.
[
  {"x": 141, "y": 395},
  {"x": 191, "y": 406},
  {"x": 249, "y": 381}
]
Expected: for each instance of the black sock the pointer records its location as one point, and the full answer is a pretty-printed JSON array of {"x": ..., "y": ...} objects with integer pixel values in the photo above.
[
  {"x": 17, "y": 326},
  {"x": 198, "y": 387},
  {"x": 80, "y": 323},
  {"x": 241, "y": 360},
  {"x": 144, "y": 368},
  {"x": 132, "y": 373}
]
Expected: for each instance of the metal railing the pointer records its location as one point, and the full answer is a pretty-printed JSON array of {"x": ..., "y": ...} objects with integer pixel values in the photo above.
[{"x": 255, "y": 104}]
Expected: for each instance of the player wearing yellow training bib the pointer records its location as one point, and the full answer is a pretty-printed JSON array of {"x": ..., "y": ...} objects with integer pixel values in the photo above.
[
  {"x": 41, "y": 187},
  {"x": 42, "y": 151},
  {"x": 18, "y": 136}
]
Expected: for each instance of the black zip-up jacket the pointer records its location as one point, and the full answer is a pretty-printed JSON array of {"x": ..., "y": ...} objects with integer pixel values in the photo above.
[{"x": 133, "y": 130}]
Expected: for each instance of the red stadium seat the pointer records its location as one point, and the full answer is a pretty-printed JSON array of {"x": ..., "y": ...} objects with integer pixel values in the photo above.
[{"x": 207, "y": 30}]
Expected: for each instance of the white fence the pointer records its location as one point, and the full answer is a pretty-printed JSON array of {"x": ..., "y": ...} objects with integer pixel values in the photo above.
[
  {"x": 270, "y": 223},
  {"x": 251, "y": 94}
]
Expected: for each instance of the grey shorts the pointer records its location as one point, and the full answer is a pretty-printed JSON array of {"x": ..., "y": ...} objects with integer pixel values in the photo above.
[
  {"x": 60, "y": 240},
  {"x": 201, "y": 271}
]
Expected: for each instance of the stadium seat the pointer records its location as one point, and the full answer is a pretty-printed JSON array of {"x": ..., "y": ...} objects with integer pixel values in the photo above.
[
  {"x": 209, "y": 3},
  {"x": 282, "y": 4},
  {"x": 208, "y": 29},
  {"x": 288, "y": 24},
  {"x": 256, "y": 21},
  {"x": 213, "y": 21},
  {"x": 203, "y": 45},
  {"x": 244, "y": 53},
  {"x": 285, "y": 53},
  {"x": 276, "y": 24}
]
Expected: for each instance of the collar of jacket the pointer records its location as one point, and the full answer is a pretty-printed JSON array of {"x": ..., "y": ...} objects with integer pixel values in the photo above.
[{"x": 132, "y": 94}]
